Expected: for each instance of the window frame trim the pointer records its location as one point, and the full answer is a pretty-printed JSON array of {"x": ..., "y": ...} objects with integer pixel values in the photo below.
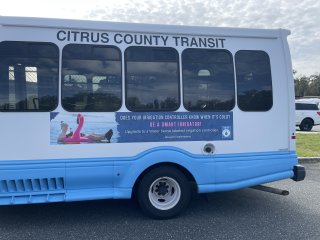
[
  {"x": 121, "y": 76},
  {"x": 234, "y": 80},
  {"x": 178, "y": 78},
  {"x": 272, "y": 95},
  {"x": 57, "y": 76}
]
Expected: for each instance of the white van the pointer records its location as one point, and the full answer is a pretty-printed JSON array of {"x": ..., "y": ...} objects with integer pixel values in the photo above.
[
  {"x": 307, "y": 115},
  {"x": 96, "y": 110}
]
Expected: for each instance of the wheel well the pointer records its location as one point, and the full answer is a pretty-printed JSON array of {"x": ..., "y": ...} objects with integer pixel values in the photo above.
[
  {"x": 188, "y": 175},
  {"x": 308, "y": 118}
]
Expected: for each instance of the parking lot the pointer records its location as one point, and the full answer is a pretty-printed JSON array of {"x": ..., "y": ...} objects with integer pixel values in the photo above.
[
  {"x": 316, "y": 128},
  {"x": 241, "y": 214}
]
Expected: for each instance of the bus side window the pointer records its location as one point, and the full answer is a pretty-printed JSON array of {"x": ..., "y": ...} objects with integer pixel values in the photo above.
[
  {"x": 254, "y": 83},
  {"x": 91, "y": 78},
  {"x": 28, "y": 76},
  {"x": 208, "y": 80},
  {"x": 152, "y": 79}
]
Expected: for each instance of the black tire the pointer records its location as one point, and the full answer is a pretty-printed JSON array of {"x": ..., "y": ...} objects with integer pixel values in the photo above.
[
  {"x": 163, "y": 192},
  {"x": 306, "y": 124}
]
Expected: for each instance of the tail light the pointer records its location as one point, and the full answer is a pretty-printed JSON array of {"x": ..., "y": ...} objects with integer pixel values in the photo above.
[{"x": 318, "y": 113}]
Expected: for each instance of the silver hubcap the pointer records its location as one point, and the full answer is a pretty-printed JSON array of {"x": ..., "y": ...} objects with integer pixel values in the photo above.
[{"x": 164, "y": 193}]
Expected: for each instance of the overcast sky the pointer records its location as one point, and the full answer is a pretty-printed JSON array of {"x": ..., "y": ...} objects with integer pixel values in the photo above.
[{"x": 302, "y": 17}]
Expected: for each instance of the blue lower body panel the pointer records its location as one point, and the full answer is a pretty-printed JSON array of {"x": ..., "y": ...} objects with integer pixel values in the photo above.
[
  {"x": 41, "y": 181},
  {"x": 239, "y": 171}
]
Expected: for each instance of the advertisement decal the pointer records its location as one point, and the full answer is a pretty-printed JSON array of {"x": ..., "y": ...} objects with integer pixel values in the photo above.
[{"x": 123, "y": 127}]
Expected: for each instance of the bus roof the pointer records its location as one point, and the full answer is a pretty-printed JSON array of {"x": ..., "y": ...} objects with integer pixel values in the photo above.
[{"x": 142, "y": 28}]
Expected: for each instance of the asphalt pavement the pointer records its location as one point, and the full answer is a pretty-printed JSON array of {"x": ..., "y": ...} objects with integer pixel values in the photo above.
[{"x": 241, "y": 214}]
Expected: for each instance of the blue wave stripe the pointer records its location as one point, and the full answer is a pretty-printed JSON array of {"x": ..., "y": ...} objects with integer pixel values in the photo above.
[{"x": 114, "y": 177}]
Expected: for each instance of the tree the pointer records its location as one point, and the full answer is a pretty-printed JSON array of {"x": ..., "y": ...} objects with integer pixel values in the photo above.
[
  {"x": 314, "y": 85},
  {"x": 301, "y": 86},
  {"x": 306, "y": 86}
]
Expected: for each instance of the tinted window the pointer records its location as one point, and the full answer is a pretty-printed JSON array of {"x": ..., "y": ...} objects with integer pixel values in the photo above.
[
  {"x": 306, "y": 106},
  {"x": 29, "y": 76},
  {"x": 208, "y": 80},
  {"x": 91, "y": 78},
  {"x": 152, "y": 79},
  {"x": 254, "y": 82}
]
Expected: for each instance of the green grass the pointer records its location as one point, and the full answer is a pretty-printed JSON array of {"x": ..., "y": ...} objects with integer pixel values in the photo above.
[{"x": 308, "y": 145}]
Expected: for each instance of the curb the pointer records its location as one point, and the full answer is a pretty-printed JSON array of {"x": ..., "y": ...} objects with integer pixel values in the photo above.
[{"x": 309, "y": 159}]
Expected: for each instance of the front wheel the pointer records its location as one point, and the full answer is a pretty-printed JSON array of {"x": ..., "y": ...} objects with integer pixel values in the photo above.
[{"x": 164, "y": 192}]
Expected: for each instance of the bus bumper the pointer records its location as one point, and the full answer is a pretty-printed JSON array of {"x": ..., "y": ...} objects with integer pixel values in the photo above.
[{"x": 299, "y": 173}]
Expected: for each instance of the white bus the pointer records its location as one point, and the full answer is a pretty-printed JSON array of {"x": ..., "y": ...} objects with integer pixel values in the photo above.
[{"x": 97, "y": 110}]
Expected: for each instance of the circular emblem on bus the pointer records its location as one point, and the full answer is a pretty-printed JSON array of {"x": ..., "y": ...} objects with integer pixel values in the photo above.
[{"x": 226, "y": 132}]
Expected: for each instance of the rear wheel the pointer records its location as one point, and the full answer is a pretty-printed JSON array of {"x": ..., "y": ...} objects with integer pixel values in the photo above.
[
  {"x": 164, "y": 192},
  {"x": 306, "y": 124}
]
